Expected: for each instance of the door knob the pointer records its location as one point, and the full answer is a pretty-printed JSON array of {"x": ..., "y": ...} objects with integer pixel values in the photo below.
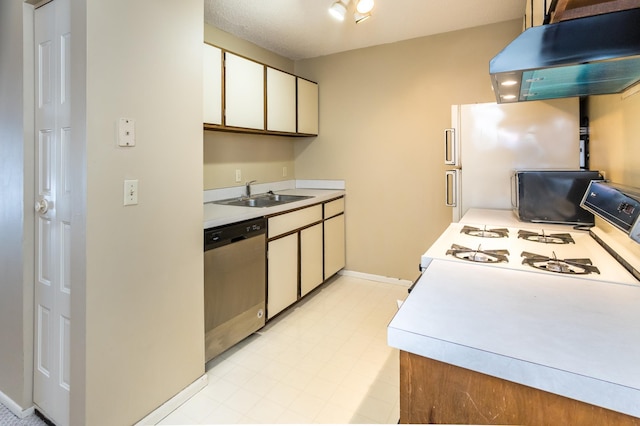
[{"x": 43, "y": 206}]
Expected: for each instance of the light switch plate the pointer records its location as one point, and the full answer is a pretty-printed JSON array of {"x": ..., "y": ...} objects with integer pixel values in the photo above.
[
  {"x": 126, "y": 132},
  {"x": 130, "y": 192}
]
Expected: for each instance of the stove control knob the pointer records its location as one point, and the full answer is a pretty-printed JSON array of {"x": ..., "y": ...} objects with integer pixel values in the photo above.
[{"x": 626, "y": 208}]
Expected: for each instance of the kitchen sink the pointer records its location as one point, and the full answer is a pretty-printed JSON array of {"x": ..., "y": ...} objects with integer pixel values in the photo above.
[{"x": 262, "y": 200}]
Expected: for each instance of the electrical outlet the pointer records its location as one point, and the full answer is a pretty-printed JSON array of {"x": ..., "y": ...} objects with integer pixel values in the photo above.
[
  {"x": 130, "y": 192},
  {"x": 284, "y": 171},
  {"x": 238, "y": 175}
]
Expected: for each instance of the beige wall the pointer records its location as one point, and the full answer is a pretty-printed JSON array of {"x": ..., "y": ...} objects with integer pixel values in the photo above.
[
  {"x": 614, "y": 136},
  {"x": 258, "y": 157},
  {"x": 382, "y": 114},
  {"x": 137, "y": 284}
]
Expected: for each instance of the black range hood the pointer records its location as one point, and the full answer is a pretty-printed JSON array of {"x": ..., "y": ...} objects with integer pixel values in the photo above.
[{"x": 594, "y": 55}]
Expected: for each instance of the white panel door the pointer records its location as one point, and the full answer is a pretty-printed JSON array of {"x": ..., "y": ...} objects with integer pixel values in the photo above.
[{"x": 53, "y": 216}]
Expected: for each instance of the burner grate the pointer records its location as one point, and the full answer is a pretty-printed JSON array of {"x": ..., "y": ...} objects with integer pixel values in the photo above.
[
  {"x": 546, "y": 238},
  {"x": 485, "y": 233},
  {"x": 480, "y": 256},
  {"x": 561, "y": 266}
]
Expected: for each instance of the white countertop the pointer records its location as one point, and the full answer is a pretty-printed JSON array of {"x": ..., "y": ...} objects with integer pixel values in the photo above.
[
  {"x": 219, "y": 214},
  {"x": 572, "y": 337}
]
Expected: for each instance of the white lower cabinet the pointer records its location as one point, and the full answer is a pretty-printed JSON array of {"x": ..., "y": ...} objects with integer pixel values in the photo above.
[
  {"x": 334, "y": 237},
  {"x": 282, "y": 279},
  {"x": 305, "y": 247},
  {"x": 334, "y": 242},
  {"x": 311, "y": 257}
]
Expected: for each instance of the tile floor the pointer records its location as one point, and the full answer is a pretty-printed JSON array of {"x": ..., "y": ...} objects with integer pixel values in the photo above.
[{"x": 324, "y": 361}]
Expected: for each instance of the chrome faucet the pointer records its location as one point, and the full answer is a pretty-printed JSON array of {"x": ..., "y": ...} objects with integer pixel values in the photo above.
[{"x": 247, "y": 188}]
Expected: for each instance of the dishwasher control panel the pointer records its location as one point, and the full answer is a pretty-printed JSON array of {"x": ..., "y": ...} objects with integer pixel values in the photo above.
[{"x": 227, "y": 234}]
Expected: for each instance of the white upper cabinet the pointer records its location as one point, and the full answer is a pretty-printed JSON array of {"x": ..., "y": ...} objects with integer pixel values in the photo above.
[
  {"x": 244, "y": 92},
  {"x": 245, "y": 96},
  {"x": 307, "y": 107},
  {"x": 212, "y": 84},
  {"x": 281, "y": 101}
]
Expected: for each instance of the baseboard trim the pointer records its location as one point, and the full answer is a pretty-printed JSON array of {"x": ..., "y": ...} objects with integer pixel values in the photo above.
[
  {"x": 378, "y": 278},
  {"x": 180, "y": 398},
  {"x": 15, "y": 408}
]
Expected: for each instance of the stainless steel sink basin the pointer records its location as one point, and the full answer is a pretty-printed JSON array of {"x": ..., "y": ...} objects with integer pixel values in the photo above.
[{"x": 262, "y": 200}]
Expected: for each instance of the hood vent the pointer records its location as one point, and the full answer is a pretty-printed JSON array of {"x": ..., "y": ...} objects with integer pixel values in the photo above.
[{"x": 587, "y": 56}]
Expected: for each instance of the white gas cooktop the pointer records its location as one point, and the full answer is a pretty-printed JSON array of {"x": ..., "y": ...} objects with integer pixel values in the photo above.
[{"x": 504, "y": 246}]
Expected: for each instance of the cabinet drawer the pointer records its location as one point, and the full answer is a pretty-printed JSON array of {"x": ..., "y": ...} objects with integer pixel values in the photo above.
[
  {"x": 333, "y": 208},
  {"x": 291, "y": 221}
]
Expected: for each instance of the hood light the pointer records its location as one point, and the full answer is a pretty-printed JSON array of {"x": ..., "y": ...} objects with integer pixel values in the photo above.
[{"x": 509, "y": 83}]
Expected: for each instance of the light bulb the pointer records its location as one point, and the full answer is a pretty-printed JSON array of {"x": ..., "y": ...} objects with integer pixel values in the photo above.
[{"x": 364, "y": 6}]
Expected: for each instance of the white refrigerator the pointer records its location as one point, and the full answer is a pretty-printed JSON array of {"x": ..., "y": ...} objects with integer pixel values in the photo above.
[{"x": 487, "y": 142}]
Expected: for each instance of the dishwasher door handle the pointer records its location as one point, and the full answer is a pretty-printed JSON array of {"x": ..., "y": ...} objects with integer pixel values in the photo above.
[{"x": 236, "y": 239}]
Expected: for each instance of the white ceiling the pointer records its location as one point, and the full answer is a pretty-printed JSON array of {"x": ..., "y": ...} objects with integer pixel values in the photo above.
[{"x": 298, "y": 29}]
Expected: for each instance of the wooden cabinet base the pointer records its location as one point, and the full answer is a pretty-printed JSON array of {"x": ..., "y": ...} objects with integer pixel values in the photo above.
[{"x": 435, "y": 392}]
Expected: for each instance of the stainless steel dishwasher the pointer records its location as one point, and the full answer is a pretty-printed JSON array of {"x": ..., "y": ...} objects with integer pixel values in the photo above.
[{"x": 234, "y": 283}]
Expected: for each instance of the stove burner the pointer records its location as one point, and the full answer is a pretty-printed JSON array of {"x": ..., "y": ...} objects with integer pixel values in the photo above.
[
  {"x": 546, "y": 238},
  {"x": 561, "y": 266},
  {"x": 485, "y": 233},
  {"x": 481, "y": 256}
]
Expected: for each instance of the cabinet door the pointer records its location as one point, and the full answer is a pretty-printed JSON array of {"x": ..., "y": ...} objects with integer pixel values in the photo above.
[
  {"x": 307, "y": 107},
  {"x": 244, "y": 92},
  {"x": 311, "y": 258},
  {"x": 334, "y": 245},
  {"x": 212, "y": 84},
  {"x": 282, "y": 284},
  {"x": 281, "y": 101}
]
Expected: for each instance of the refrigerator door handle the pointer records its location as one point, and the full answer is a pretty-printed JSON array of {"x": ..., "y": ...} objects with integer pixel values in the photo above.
[
  {"x": 450, "y": 188},
  {"x": 450, "y": 152}
]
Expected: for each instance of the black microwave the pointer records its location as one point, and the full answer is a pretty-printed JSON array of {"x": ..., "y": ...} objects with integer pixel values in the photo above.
[{"x": 553, "y": 196}]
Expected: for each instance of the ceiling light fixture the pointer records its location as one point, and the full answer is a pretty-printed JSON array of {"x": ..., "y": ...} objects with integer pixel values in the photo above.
[
  {"x": 339, "y": 9},
  {"x": 360, "y": 17},
  {"x": 364, "y": 7}
]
